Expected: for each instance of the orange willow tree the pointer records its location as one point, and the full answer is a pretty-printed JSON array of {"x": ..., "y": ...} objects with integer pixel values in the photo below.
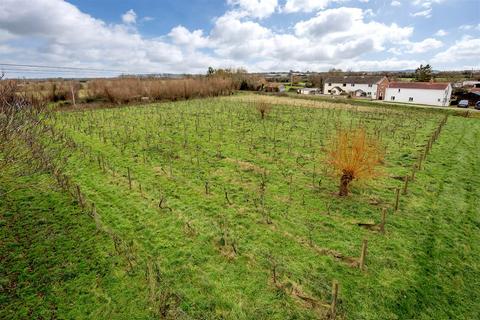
[{"x": 354, "y": 155}]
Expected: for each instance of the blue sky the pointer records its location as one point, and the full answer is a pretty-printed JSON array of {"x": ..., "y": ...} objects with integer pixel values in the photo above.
[{"x": 146, "y": 36}]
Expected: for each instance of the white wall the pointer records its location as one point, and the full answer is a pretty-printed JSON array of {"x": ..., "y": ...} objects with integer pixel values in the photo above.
[
  {"x": 348, "y": 88},
  {"x": 420, "y": 96}
]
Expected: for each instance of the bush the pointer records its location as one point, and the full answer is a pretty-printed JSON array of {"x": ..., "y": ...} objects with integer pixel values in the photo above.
[
  {"x": 354, "y": 155},
  {"x": 263, "y": 108}
]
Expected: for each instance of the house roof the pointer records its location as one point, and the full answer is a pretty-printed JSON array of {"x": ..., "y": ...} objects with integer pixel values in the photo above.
[
  {"x": 419, "y": 85},
  {"x": 354, "y": 79}
]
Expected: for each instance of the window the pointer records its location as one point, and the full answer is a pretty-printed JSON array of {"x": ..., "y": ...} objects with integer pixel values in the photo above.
[
  {"x": 369, "y": 93},
  {"x": 330, "y": 84},
  {"x": 410, "y": 99},
  {"x": 392, "y": 98},
  {"x": 398, "y": 90},
  {"x": 438, "y": 100},
  {"x": 344, "y": 84},
  {"x": 329, "y": 91},
  {"x": 353, "y": 84},
  {"x": 370, "y": 85}
]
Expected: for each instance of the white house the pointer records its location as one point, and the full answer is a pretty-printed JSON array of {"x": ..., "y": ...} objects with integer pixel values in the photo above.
[
  {"x": 435, "y": 94},
  {"x": 361, "y": 86}
]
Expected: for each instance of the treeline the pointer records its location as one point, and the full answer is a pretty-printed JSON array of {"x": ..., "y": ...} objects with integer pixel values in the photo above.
[
  {"x": 136, "y": 89},
  {"x": 126, "y": 90}
]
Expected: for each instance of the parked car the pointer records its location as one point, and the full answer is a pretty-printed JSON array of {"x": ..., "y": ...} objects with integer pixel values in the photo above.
[
  {"x": 463, "y": 104},
  {"x": 477, "y": 105}
]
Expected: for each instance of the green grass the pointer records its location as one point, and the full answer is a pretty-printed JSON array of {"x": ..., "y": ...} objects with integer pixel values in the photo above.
[
  {"x": 218, "y": 253},
  {"x": 54, "y": 263}
]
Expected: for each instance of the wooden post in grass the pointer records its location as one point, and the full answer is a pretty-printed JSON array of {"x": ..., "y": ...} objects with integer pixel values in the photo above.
[
  {"x": 79, "y": 196},
  {"x": 333, "y": 305},
  {"x": 397, "y": 199},
  {"x": 405, "y": 186},
  {"x": 384, "y": 218},
  {"x": 363, "y": 254},
  {"x": 96, "y": 217},
  {"x": 129, "y": 178},
  {"x": 414, "y": 168}
]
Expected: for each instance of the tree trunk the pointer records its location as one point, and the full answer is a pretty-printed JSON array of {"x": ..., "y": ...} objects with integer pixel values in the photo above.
[{"x": 345, "y": 180}]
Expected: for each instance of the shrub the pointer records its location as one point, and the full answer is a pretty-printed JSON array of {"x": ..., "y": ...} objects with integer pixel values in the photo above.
[
  {"x": 354, "y": 155},
  {"x": 263, "y": 108}
]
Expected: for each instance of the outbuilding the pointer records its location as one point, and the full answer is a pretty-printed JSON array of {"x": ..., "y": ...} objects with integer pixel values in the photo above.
[
  {"x": 430, "y": 93},
  {"x": 308, "y": 90},
  {"x": 275, "y": 87}
]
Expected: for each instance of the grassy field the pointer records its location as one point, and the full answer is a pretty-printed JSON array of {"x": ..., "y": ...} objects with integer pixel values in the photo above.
[{"x": 216, "y": 213}]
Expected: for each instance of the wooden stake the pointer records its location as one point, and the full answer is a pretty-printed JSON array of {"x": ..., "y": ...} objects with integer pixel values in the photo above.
[
  {"x": 397, "y": 199},
  {"x": 333, "y": 306},
  {"x": 405, "y": 186},
  {"x": 382, "y": 223},
  {"x": 79, "y": 196},
  {"x": 129, "y": 178},
  {"x": 363, "y": 254},
  {"x": 414, "y": 168}
]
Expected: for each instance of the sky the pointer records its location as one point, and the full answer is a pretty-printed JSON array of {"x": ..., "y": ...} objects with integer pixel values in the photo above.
[{"x": 188, "y": 36}]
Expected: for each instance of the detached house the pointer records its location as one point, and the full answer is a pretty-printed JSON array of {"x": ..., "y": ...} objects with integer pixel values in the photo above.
[
  {"x": 360, "y": 86},
  {"x": 435, "y": 94}
]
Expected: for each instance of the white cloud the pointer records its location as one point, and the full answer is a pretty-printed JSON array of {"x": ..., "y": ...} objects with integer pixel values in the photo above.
[
  {"x": 67, "y": 35},
  {"x": 329, "y": 21},
  {"x": 441, "y": 33},
  {"x": 424, "y": 45},
  {"x": 182, "y": 36},
  {"x": 465, "y": 49},
  {"x": 395, "y": 3},
  {"x": 305, "y": 5},
  {"x": 467, "y": 27},
  {"x": 341, "y": 25},
  {"x": 427, "y": 7},
  {"x": 129, "y": 17},
  {"x": 427, "y": 13},
  {"x": 254, "y": 8}
]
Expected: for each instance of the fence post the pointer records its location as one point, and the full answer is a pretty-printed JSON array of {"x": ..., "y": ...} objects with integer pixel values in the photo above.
[
  {"x": 382, "y": 223},
  {"x": 363, "y": 254},
  {"x": 79, "y": 196},
  {"x": 397, "y": 199},
  {"x": 129, "y": 178},
  {"x": 333, "y": 305},
  {"x": 405, "y": 186}
]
